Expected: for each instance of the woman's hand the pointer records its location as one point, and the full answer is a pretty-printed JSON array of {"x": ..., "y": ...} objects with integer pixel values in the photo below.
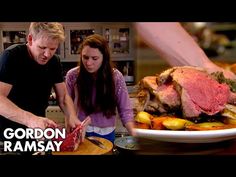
[
  {"x": 130, "y": 127},
  {"x": 71, "y": 123},
  {"x": 84, "y": 125}
]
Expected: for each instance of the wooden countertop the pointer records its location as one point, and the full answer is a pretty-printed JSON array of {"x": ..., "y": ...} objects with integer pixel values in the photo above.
[
  {"x": 88, "y": 148},
  {"x": 151, "y": 147}
]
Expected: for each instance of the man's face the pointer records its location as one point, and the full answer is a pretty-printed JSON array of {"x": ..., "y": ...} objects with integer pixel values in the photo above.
[{"x": 42, "y": 49}]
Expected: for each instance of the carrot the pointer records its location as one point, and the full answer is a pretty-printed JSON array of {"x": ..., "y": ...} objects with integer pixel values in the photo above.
[
  {"x": 141, "y": 125},
  {"x": 156, "y": 123}
]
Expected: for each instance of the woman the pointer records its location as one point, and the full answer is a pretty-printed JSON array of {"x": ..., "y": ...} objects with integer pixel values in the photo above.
[{"x": 98, "y": 90}]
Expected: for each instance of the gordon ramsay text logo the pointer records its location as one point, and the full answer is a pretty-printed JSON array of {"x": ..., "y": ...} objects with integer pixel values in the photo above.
[{"x": 44, "y": 140}]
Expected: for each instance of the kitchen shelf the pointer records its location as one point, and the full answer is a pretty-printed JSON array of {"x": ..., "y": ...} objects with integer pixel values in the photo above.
[{"x": 10, "y": 37}]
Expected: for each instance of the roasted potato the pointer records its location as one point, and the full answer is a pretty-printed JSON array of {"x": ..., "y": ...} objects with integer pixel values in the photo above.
[
  {"x": 143, "y": 117},
  {"x": 206, "y": 126},
  {"x": 176, "y": 123}
]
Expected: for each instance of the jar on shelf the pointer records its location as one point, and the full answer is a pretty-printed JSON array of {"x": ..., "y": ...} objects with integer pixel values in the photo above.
[{"x": 107, "y": 35}]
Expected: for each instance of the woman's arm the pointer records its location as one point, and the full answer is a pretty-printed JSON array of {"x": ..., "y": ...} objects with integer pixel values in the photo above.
[
  {"x": 176, "y": 46},
  {"x": 124, "y": 105},
  {"x": 67, "y": 106}
]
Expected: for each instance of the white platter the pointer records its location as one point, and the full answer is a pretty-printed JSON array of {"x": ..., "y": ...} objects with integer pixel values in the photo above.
[{"x": 209, "y": 136}]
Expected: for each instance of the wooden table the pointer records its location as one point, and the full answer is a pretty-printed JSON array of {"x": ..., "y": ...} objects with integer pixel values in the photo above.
[
  {"x": 88, "y": 148},
  {"x": 151, "y": 147}
]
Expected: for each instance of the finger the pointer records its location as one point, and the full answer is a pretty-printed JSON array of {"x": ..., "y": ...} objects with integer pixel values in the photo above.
[
  {"x": 54, "y": 124},
  {"x": 67, "y": 128},
  {"x": 51, "y": 124},
  {"x": 72, "y": 129}
]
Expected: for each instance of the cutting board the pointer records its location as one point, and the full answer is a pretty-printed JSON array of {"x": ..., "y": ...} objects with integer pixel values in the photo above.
[{"x": 88, "y": 148}]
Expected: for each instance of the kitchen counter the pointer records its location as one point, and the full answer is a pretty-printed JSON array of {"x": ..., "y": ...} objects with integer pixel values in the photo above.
[
  {"x": 152, "y": 147},
  {"x": 88, "y": 148},
  {"x": 54, "y": 113}
]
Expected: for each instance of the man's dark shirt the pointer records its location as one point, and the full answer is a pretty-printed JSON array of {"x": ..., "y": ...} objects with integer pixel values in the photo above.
[{"x": 31, "y": 83}]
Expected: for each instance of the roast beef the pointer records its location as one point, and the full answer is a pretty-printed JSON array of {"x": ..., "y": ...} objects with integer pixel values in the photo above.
[
  {"x": 74, "y": 138},
  {"x": 163, "y": 97},
  {"x": 168, "y": 96},
  {"x": 200, "y": 93},
  {"x": 190, "y": 90}
]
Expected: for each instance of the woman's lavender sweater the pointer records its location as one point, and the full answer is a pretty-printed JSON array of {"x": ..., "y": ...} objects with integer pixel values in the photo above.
[{"x": 124, "y": 107}]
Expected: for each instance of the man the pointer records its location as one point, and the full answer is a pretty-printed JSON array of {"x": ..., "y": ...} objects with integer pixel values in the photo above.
[{"x": 28, "y": 72}]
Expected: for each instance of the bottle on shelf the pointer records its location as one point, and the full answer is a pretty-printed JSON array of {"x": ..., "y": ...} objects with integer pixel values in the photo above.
[
  {"x": 107, "y": 35},
  {"x": 128, "y": 73}
]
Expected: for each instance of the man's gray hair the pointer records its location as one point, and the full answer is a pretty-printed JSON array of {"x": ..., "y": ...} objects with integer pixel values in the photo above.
[{"x": 53, "y": 30}]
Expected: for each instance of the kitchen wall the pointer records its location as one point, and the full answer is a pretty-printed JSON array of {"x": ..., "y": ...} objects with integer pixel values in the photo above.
[
  {"x": 220, "y": 37},
  {"x": 148, "y": 61}
]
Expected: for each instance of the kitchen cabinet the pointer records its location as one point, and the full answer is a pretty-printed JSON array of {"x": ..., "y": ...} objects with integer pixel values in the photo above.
[
  {"x": 120, "y": 37},
  {"x": 55, "y": 114},
  {"x": 12, "y": 33},
  {"x": 75, "y": 34}
]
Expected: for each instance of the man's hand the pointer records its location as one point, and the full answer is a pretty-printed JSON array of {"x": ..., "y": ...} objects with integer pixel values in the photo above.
[
  {"x": 211, "y": 68},
  {"x": 41, "y": 122}
]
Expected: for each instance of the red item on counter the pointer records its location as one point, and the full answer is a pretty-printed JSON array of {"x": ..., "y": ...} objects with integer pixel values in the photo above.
[{"x": 73, "y": 139}]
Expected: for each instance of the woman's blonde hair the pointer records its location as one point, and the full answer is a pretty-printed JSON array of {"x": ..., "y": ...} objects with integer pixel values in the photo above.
[{"x": 53, "y": 30}]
